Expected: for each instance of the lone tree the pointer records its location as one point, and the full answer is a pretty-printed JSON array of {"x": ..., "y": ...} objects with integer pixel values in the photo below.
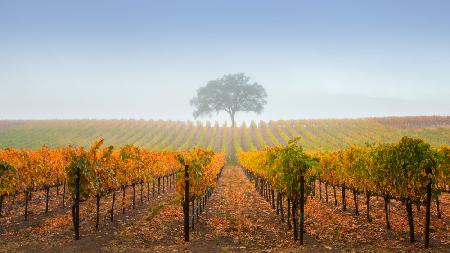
[{"x": 232, "y": 93}]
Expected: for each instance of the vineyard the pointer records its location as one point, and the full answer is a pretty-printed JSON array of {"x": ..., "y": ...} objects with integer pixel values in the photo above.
[
  {"x": 163, "y": 186},
  {"x": 403, "y": 172},
  {"x": 173, "y": 135},
  {"x": 102, "y": 172}
]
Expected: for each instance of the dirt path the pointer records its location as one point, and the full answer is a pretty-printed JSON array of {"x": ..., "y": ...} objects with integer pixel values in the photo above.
[{"x": 239, "y": 220}]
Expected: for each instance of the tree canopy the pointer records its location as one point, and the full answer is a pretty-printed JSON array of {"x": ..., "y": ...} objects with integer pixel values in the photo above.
[{"x": 231, "y": 93}]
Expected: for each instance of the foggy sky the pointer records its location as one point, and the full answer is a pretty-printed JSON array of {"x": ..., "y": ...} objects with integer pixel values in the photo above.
[{"x": 145, "y": 59}]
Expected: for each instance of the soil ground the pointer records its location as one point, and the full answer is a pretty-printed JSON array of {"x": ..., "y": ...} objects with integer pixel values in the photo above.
[{"x": 236, "y": 219}]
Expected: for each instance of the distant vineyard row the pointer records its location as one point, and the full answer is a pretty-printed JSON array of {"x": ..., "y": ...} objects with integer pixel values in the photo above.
[{"x": 176, "y": 135}]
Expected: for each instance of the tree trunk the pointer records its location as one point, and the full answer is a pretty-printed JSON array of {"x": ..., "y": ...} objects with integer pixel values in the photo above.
[
  {"x": 232, "y": 116},
  {"x": 148, "y": 191},
  {"x": 326, "y": 192},
  {"x": 281, "y": 208}
]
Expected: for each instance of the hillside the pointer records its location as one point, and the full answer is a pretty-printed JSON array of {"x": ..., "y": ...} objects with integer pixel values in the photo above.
[{"x": 326, "y": 134}]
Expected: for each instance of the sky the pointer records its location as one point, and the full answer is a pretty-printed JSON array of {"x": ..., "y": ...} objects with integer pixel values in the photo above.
[{"x": 146, "y": 59}]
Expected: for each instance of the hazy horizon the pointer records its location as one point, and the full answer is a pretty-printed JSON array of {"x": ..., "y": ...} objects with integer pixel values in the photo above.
[{"x": 142, "y": 60}]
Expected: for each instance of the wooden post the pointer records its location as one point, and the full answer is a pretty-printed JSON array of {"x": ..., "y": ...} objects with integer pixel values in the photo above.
[
  {"x": 64, "y": 195},
  {"x": 153, "y": 188},
  {"x": 76, "y": 206},
  {"x": 344, "y": 202},
  {"x": 355, "y": 199},
  {"x": 439, "y": 214},
  {"x": 294, "y": 216},
  {"x": 428, "y": 211},
  {"x": 273, "y": 198},
  {"x": 185, "y": 203},
  {"x": 334, "y": 193},
  {"x": 302, "y": 207},
  {"x": 320, "y": 189},
  {"x": 134, "y": 196},
  {"x": 197, "y": 206},
  {"x": 112, "y": 206},
  {"x": 1, "y": 204},
  {"x": 278, "y": 203},
  {"x": 148, "y": 191},
  {"x": 47, "y": 193},
  {"x": 410, "y": 219},
  {"x": 289, "y": 213},
  {"x": 26, "y": 204},
  {"x": 142, "y": 189},
  {"x": 193, "y": 214},
  {"x": 386, "y": 210},
  {"x": 369, "y": 219},
  {"x": 159, "y": 185},
  {"x": 97, "y": 218},
  {"x": 124, "y": 188}
]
